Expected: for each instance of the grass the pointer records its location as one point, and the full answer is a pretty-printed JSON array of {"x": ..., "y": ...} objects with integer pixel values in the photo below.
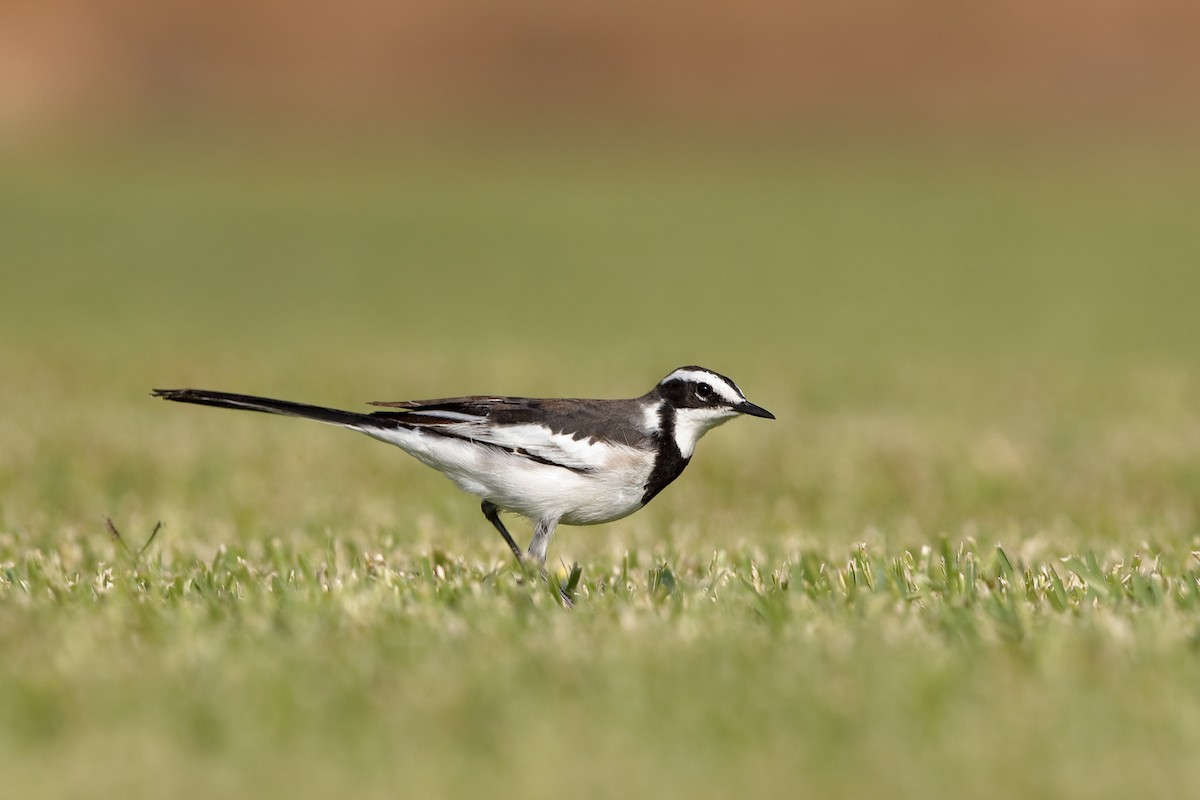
[{"x": 963, "y": 561}]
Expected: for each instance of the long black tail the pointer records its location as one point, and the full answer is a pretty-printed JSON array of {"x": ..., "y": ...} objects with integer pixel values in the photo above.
[{"x": 268, "y": 406}]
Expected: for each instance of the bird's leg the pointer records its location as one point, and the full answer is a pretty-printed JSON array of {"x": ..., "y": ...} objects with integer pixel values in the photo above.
[
  {"x": 492, "y": 512},
  {"x": 537, "y": 548},
  {"x": 542, "y": 531}
]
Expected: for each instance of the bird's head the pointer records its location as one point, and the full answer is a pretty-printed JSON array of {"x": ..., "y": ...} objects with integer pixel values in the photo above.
[{"x": 700, "y": 400}]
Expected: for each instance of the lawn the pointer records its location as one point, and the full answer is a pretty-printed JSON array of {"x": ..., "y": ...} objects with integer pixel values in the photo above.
[{"x": 964, "y": 560}]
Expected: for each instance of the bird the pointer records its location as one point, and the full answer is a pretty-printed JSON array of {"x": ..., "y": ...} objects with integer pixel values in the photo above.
[{"x": 570, "y": 461}]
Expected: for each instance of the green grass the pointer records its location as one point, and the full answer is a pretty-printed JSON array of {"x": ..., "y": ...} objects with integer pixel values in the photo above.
[{"x": 962, "y": 562}]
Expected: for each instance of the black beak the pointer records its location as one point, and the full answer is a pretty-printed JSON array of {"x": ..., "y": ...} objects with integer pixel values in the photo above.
[{"x": 746, "y": 407}]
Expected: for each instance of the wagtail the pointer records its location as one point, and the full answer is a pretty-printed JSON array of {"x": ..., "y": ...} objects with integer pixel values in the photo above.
[{"x": 569, "y": 461}]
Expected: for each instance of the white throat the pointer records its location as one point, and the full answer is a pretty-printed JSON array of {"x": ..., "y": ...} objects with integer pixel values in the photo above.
[{"x": 692, "y": 423}]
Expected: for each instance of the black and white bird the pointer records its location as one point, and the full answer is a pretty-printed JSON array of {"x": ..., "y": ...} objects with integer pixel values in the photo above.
[{"x": 569, "y": 461}]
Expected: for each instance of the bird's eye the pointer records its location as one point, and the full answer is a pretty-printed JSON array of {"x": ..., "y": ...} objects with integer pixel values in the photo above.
[{"x": 704, "y": 391}]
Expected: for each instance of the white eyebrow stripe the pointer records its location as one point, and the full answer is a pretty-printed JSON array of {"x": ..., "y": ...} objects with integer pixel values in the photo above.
[{"x": 724, "y": 387}]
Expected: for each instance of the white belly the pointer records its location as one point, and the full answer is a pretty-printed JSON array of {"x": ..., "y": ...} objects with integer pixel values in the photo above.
[{"x": 613, "y": 489}]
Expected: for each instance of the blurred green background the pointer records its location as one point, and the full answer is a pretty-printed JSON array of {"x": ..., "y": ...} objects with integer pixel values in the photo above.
[
  {"x": 950, "y": 334},
  {"x": 954, "y": 249}
]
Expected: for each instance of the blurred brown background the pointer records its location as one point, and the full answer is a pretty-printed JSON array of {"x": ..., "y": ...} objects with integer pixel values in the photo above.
[{"x": 746, "y": 63}]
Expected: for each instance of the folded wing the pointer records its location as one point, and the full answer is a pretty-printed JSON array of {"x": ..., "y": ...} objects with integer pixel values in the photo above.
[{"x": 512, "y": 424}]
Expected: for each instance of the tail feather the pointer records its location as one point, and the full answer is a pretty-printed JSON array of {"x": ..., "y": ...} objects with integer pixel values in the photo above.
[{"x": 266, "y": 405}]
